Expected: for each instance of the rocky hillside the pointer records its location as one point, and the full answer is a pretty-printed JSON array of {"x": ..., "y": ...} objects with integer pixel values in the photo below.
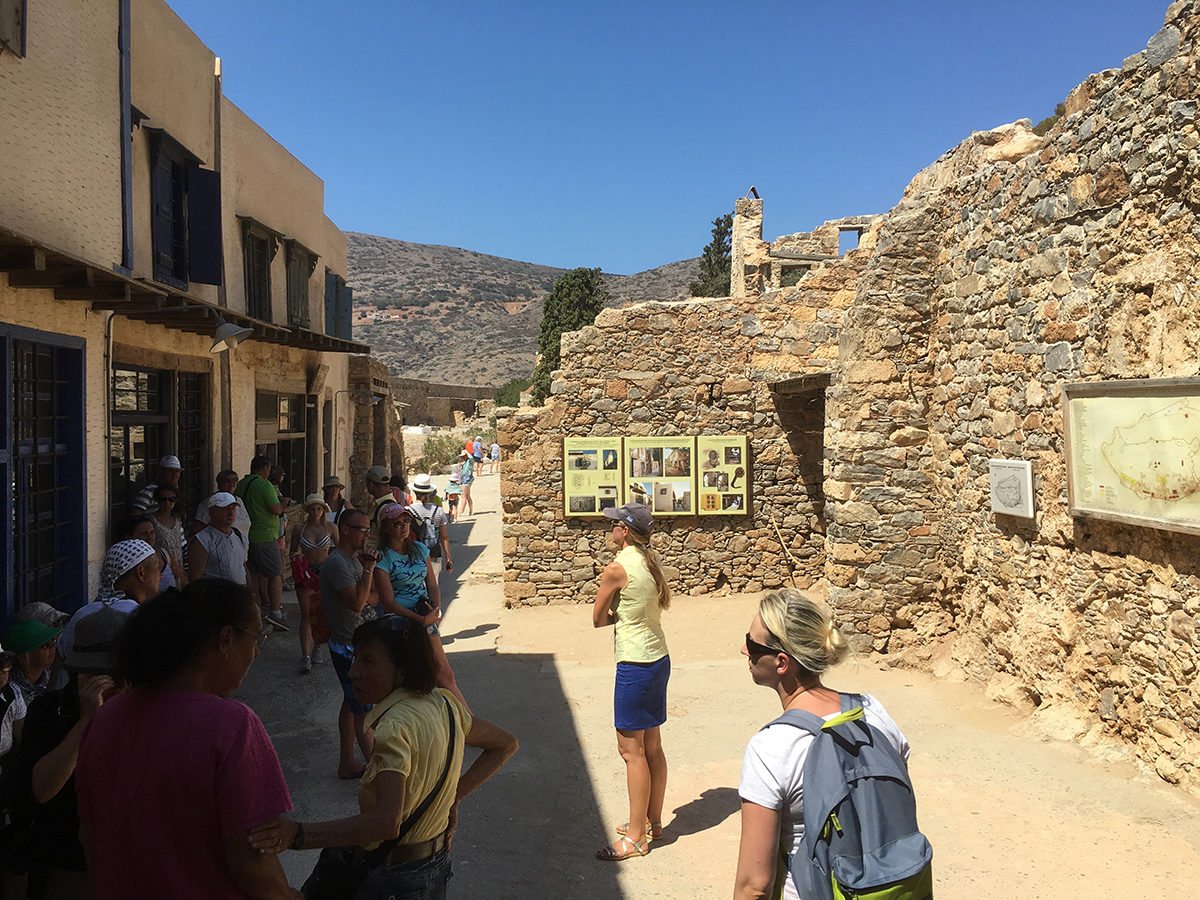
[{"x": 454, "y": 316}]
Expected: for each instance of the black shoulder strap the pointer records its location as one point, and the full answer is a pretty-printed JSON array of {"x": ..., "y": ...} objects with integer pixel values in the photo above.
[
  {"x": 407, "y": 825},
  {"x": 375, "y": 512}
]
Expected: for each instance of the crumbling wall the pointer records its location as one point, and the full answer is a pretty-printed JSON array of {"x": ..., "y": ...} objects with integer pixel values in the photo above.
[
  {"x": 376, "y": 436},
  {"x": 701, "y": 366},
  {"x": 425, "y": 403},
  {"x": 1012, "y": 265}
]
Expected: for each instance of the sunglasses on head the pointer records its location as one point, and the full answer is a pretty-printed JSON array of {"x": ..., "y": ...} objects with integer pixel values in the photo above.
[{"x": 756, "y": 650}]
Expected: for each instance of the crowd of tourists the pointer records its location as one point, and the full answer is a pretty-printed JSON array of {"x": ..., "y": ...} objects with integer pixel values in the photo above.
[{"x": 137, "y": 681}]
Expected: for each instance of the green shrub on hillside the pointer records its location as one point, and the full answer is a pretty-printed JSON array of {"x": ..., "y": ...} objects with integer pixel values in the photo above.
[{"x": 509, "y": 393}]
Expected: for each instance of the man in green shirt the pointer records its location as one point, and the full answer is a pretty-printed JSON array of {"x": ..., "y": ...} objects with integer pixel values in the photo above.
[{"x": 264, "y": 562}]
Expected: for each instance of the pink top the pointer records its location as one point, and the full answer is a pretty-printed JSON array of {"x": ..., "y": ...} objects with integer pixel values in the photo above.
[{"x": 163, "y": 777}]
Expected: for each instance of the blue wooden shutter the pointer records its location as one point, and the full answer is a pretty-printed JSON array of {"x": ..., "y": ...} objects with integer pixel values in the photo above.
[
  {"x": 204, "y": 226},
  {"x": 331, "y": 283},
  {"x": 345, "y": 308}
]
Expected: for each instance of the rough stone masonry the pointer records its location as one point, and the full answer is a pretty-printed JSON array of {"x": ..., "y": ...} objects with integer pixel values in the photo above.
[{"x": 876, "y": 390}]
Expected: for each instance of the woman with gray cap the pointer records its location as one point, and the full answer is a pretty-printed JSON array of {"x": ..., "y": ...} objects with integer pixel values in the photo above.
[
  {"x": 54, "y": 729},
  {"x": 632, "y": 594}
]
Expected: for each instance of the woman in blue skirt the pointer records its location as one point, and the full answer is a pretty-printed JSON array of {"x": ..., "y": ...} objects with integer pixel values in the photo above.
[{"x": 633, "y": 593}]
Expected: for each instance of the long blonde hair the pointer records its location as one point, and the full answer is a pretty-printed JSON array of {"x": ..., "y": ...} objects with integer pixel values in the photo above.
[
  {"x": 642, "y": 543},
  {"x": 804, "y": 629}
]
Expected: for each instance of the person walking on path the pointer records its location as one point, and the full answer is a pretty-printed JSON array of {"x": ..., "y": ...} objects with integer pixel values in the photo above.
[
  {"x": 379, "y": 486},
  {"x": 400, "y": 841},
  {"x": 791, "y": 642},
  {"x": 345, "y": 583},
  {"x": 312, "y": 539},
  {"x": 466, "y": 478},
  {"x": 218, "y": 550},
  {"x": 495, "y": 458},
  {"x": 632, "y": 594},
  {"x": 405, "y": 574},
  {"x": 265, "y": 561},
  {"x": 431, "y": 530}
]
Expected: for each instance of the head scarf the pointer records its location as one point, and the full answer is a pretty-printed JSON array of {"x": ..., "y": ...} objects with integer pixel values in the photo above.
[{"x": 120, "y": 558}]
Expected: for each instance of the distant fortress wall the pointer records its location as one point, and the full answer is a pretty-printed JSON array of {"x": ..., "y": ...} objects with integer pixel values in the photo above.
[{"x": 435, "y": 404}]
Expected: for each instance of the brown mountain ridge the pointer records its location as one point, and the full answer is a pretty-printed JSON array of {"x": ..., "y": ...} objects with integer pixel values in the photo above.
[{"x": 454, "y": 316}]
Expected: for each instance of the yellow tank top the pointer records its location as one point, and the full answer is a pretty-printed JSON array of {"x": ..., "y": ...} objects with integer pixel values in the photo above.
[{"x": 638, "y": 636}]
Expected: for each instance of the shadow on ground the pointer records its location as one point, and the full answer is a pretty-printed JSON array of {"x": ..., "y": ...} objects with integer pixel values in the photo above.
[
  {"x": 543, "y": 800},
  {"x": 707, "y": 811}
]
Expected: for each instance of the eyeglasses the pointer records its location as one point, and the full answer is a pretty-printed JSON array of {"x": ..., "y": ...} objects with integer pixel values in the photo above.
[
  {"x": 363, "y": 528},
  {"x": 757, "y": 650}
]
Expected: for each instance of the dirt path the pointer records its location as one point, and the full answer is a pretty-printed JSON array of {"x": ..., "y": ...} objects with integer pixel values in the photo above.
[{"x": 1009, "y": 814}]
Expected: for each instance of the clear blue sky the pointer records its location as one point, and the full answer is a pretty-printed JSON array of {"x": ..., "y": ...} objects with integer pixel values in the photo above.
[{"x": 612, "y": 133}]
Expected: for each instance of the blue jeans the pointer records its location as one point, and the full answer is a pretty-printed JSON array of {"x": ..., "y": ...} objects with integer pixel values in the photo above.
[{"x": 425, "y": 879}]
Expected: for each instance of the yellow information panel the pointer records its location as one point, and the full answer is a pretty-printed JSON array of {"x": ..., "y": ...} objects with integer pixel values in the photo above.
[
  {"x": 723, "y": 473},
  {"x": 592, "y": 475},
  {"x": 661, "y": 474}
]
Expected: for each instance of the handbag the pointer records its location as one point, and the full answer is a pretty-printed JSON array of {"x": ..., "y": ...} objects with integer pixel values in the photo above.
[{"x": 341, "y": 871}]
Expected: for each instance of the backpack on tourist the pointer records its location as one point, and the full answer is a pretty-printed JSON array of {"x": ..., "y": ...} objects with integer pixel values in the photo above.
[
  {"x": 860, "y": 814},
  {"x": 429, "y": 531}
]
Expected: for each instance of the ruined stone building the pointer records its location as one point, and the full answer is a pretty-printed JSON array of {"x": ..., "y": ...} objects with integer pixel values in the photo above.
[{"x": 876, "y": 388}]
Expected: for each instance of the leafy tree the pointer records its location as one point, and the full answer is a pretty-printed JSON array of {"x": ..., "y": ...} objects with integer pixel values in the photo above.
[
  {"x": 715, "y": 264},
  {"x": 509, "y": 393},
  {"x": 576, "y": 300}
]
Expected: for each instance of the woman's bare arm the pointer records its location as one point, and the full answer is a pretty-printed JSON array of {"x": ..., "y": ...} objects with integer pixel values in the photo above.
[
  {"x": 380, "y": 824},
  {"x": 757, "y": 852},
  {"x": 612, "y": 580}
]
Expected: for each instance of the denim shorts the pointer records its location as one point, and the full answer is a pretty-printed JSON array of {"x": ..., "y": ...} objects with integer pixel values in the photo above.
[{"x": 342, "y": 658}]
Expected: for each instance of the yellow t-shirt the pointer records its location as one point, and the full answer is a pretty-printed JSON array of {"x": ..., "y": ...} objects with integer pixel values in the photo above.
[
  {"x": 373, "y": 512},
  {"x": 411, "y": 734},
  {"x": 638, "y": 636}
]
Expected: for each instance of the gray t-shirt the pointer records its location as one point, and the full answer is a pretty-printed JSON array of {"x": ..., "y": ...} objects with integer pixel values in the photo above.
[{"x": 339, "y": 572}]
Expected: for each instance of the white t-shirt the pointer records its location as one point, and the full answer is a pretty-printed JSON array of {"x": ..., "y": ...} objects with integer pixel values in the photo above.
[
  {"x": 14, "y": 713},
  {"x": 773, "y": 771}
]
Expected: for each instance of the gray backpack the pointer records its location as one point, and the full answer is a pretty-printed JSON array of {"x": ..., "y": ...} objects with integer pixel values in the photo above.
[{"x": 860, "y": 814}]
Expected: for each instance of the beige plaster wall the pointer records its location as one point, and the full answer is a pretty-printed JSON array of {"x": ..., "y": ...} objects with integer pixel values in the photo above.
[{"x": 60, "y": 165}]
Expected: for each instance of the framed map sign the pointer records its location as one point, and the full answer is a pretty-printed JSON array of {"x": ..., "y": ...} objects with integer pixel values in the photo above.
[
  {"x": 723, "y": 473},
  {"x": 592, "y": 475},
  {"x": 660, "y": 474},
  {"x": 1133, "y": 451}
]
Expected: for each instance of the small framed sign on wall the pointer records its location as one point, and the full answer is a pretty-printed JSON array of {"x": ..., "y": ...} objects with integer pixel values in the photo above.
[{"x": 1011, "y": 483}]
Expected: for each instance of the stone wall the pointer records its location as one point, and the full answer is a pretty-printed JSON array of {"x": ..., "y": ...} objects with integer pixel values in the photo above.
[
  {"x": 376, "y": 436},
  {"x": 701, "y": 366},
  {"x": 435, "y": 404},
  {"x": 1012, "y": 265}
]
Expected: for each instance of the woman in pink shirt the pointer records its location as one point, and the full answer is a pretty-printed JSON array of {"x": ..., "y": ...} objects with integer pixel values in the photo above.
[{"x": 172, "y": 775}]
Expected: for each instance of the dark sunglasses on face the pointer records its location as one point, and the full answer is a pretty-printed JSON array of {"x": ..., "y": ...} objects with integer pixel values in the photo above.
[
  {"x": 363, "y": 528},
  {"x": 756, "y": 650}
]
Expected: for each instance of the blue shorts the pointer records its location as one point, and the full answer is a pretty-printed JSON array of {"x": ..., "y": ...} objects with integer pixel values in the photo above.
[
  {"x": 640, "y": 695},
  {"x": 342, "y": 660}
]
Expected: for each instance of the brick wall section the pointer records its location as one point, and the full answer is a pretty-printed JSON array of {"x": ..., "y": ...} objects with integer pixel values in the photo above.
[
  {"x": 1015, "y": 264},
  {"x": 60, "y": 167},
  {"x": 700, "y": 366}
]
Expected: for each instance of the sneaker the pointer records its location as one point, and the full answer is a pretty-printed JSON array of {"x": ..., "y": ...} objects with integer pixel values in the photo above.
[
  {"x": 275, "y": 620},
  {"x": 305, "y": 665},
  {"x": 316, "y": 657}
]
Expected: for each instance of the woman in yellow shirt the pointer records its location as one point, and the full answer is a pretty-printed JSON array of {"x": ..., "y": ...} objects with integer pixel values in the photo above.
[
  {"x": 633, "y": 593},
  {"x": 420, "y": 732}
]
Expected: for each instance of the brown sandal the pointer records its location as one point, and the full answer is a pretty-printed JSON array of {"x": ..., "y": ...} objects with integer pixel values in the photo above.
[
  {"x": 654, "y": 830},
  {"x": 633, "y": 848}
]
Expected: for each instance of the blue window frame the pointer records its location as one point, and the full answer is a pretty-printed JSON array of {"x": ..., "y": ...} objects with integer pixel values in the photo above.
[{"x": 43, "y": 542}]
